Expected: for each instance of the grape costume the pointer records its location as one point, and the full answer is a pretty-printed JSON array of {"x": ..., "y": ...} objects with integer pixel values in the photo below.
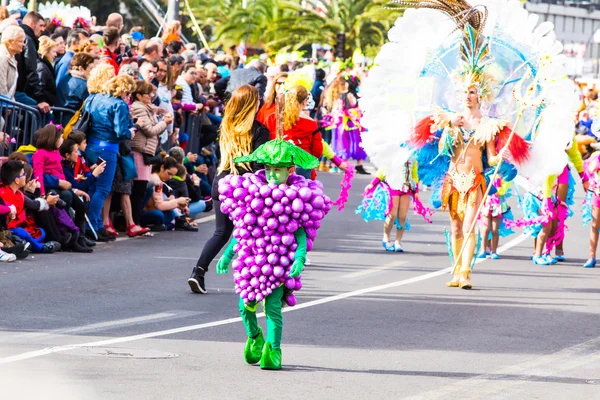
[{"x": 275, "y": 225}]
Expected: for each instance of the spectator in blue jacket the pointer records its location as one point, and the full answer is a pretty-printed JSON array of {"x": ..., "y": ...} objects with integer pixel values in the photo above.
[
  {"x": 73, "y": 90},
  {"x": 110, "y": 124},
  {"x": 73, "y": 41}
]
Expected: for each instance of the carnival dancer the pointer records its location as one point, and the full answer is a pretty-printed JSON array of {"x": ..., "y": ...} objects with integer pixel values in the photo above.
[
  {"x": 382, "y": 202},
  {"x": 564, "y": 192},
  {"x": 592, "y": 205},
  {"x": 276, "y": 214},
  {"x": 498, "y": 93},
  {"x": 494, "y": 210},
  {"x": 343, "y": 118}
]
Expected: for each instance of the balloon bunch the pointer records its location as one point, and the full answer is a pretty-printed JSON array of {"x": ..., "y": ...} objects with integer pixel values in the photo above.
[{"x": 265, "y": 216}]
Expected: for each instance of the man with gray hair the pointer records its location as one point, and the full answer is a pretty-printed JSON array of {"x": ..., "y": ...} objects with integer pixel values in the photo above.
[{"x": 253, "y": 74}]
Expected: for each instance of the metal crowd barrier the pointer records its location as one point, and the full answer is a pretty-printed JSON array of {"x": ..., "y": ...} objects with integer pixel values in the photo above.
[{"x": 18, "y": 122}]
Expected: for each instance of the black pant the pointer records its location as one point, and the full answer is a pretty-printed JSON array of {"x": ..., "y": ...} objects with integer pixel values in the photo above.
[
  {"x": 223, "y": 231},
  {"x": 138, "y": 192},
  {"x": 46, "y": 221},
  {"x": 73, "y": 201}
]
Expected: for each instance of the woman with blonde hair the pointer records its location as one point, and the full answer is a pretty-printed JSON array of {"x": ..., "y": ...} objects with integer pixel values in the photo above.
[
  {"x": 298, "y": 126},
  {"x": 97, "y": 79},
  {"x": 45, "y": 69},
  {"x": 241, "y": 134},
  {"x": 110, "y": 123}
]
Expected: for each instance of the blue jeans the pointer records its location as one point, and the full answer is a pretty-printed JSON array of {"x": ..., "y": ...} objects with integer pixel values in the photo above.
[
  {"x": 103, "y": 182},
  {"x": 37, "y": 245},
  {"x": 196, "y": 208},
  {"x": 215, "y": 119},
  {"x": 157, "y": 217}
]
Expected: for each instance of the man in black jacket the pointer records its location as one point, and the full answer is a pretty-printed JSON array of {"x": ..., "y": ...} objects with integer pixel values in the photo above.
[{"x": 29, "y": 88}]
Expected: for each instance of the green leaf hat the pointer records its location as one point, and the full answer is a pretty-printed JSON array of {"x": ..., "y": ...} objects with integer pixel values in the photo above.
[{"x": 281, "y": 153}]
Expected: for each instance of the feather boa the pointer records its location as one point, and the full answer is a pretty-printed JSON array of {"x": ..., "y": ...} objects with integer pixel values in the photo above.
[
  {"x": 559, "y": 236},
  {"x": 586, "y": 209},
  {"x": 346, "y": 184},
  {"x": 377, "y": 205}
]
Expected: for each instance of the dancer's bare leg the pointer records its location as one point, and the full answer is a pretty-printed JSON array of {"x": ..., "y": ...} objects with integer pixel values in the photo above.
[{"x": 403, "y": 204}]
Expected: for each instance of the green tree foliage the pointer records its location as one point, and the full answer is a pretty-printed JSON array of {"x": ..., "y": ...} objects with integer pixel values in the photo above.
[{"x": 290, "y": 24}]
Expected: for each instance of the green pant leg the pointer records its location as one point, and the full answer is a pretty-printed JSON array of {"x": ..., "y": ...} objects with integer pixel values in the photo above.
[
  {"x": 274, "y": 317},
  {"x": 249, "y": 317}
]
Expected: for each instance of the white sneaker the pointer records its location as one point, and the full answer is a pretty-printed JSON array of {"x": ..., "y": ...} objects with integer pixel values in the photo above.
[{"x": 7, "y": 257}]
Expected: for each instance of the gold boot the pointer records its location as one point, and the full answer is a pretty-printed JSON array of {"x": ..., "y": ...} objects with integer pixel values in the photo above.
[
  {"x": 456, "y": 246},
  {"x": 467, "y": 260},
  {"x": 323, "y": 167}
]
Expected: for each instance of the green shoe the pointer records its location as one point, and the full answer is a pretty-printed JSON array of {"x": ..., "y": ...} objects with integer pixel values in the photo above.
[
  {"x": 253, "y": 349},
  {"x": 271, "y": 358}
]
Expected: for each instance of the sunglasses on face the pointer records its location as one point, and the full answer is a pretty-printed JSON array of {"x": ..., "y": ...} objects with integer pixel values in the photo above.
[{"x": 193, "y": 73}]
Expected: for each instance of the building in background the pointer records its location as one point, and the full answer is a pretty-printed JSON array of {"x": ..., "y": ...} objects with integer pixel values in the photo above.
[{"x": 577, "y": 27}]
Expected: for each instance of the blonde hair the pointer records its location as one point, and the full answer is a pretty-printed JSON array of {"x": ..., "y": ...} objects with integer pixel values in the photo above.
[
  {"x": 293, "y": 105},
  {"x": 99, "y": 75},
  {"x": 46, "y": 46},
  {"x": 272, "y": 94},
  {"x": 236, "y": 128},
  {"x": 120, "y": 85},
  {"x": 173, "y": 27},
  {"x": 332, "y": 93}
]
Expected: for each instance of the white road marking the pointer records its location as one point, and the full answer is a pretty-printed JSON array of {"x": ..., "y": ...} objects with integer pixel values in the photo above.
[
  {"x": 491, "y": 384},
  {"x": 50, "y": 350},
  {"x": 177, "y": 258}
]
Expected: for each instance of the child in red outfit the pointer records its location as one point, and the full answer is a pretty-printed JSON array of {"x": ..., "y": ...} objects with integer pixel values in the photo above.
[{"x": 298, "y": 127}]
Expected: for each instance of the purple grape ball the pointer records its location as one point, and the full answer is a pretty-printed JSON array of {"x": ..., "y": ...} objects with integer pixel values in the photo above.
[
  {"x": 260, "y": 297},
  {"x": 290, "y": 283},
  {"x": 297, "y": 205},
  {"x": 298, "y": 284},
  {"x": 262, "y": 279},
  {"x": 265, "y": 191},
  {"x": 249, "y": 219},
  {"x": 243, "y": 284},
  {"x": 260, "y": 259},
  {"x": 277, "y": 209},
  {"x": 269, "y": 202},
  {"x": 277, "y": 194},
  {"x": 287, "y": 239},
  {"x": 281, "y": 229},
  {"x": 257, "y": 204},
  {"x": 239, "y": 193},
  {"x": 245, "y": 272},
  {"x": 292, "y": 226},
  {"x": 255, "y": 270},
  {"x": 291, "y": 193},
  {"x": 284, "y": 261},
  {"x": 272, "y": 223},
  {"x": 305, "y": 194},
  {"x": 257, "y": 232},
  {"x": 291, "y": 300},
  {"x": 275, "y": 238},
  {"x": 267, "y": 269},
  {"x": 278, "y": 271},
  {"x": 318, "y": 202},
  {"x": 251, "y": 296},
  {"x": 254, "y": 282},
  {"x": 273, "y": 258}
]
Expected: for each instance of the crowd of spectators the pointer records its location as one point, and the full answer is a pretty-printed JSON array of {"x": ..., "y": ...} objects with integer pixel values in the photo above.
[{"x": 121, "y": 160}]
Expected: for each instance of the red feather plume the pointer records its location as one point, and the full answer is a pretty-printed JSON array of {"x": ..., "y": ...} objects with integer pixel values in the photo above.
[
  {"x": 518, "y": 147},
  {"x": 422, "y": 134}
]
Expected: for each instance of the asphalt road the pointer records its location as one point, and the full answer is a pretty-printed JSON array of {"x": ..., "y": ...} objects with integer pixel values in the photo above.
[{"x": 123, "y": 324}]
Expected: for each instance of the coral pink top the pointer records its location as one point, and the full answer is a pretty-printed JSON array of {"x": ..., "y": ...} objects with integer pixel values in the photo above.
[{"x": 47, "y": 162}]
